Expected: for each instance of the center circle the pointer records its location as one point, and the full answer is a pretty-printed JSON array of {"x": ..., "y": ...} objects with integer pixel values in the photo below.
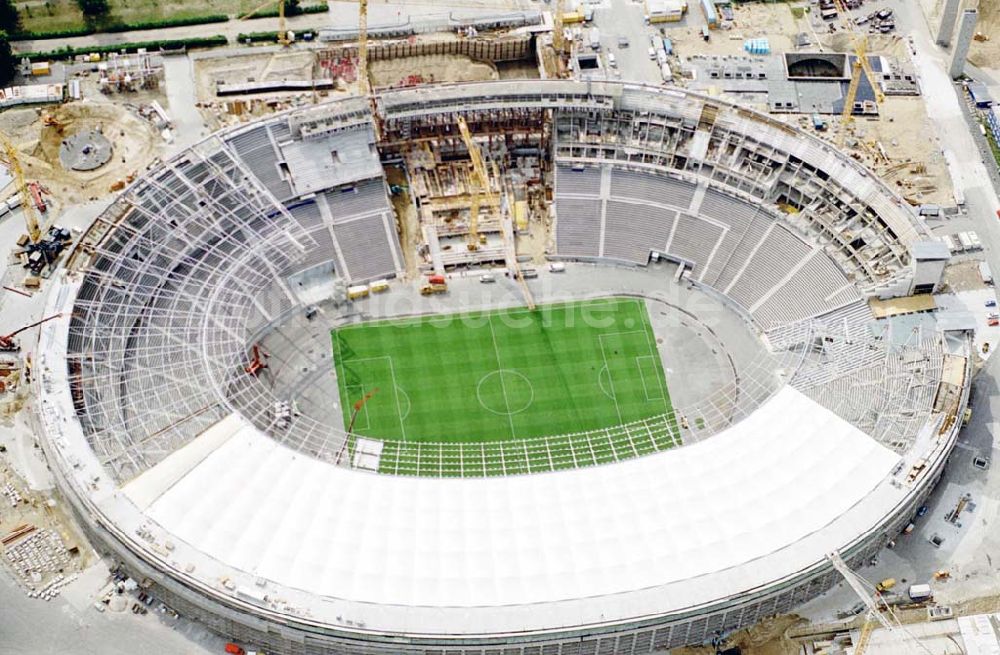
[{"x": 505, "y": 392}]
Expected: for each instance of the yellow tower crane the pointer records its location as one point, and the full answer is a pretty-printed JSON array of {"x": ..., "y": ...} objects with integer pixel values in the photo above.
[
  {"x": 282, "y": 32},
  {"x": 859, "y": 67},
  {"x": 485, "y": 191},
  {"x": 558, "y": 35},
  {"x": 482, "y": 179},
  {"x": 27, "y": 202}
]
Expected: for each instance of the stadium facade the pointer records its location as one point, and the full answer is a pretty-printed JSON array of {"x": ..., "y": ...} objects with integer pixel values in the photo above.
[{"x": 179, "y": 468}]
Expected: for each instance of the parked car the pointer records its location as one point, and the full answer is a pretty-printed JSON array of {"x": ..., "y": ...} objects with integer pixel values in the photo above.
[{"x": 622, "y": 41}]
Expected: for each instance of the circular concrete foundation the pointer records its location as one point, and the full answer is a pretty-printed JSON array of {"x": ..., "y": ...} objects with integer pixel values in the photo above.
[{"x": 87, "y": 150}]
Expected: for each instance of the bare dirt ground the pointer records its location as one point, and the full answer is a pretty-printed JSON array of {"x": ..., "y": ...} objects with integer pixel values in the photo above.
[
  {"x": 751, "y": 20},
  {"x": 430, "y": 68},
  {"x": 765, "y": 638},
  {"x": 987, "y": 53},
  {"x": 984, "y": 54},
  {"x": 135, "y": 141},
  {"x": 246, "y": 67}
]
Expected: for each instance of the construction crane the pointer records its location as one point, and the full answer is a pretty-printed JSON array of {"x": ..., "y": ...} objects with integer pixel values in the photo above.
[
  {"x": 257, "y": 363},
  {"x": 860, "y": 66},
  {"x": 355, "y": 410},
  {"x": 558, "y": 35},
  {"x": 7, "y": 342},
  {"x": 364, "y": 87},
  {"x": 23, "y": 189},
  {"x": 876, "y": 614},
  {"x": 282, "y": 31},
  {"x": 483, "y": 179}
]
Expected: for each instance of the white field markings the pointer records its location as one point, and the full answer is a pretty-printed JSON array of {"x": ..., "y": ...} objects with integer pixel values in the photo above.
[
  {"x": 654, "y": 353},
  {"x": 503, "y": 385},
  {"x": 611, "y": 378},
  {"x": 363, "y": 390}
]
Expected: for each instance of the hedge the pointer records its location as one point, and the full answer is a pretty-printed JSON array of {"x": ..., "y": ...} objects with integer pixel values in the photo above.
[
  {"x": 53, "y": 34},
  {"x": 124, "y": 27},
  {"x": 311, "y": 9},
  {"x": 166, "y": 22},
  {"x": 166, "y": 44}
]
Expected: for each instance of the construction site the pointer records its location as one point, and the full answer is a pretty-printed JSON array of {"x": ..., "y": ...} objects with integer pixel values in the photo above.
[{"x": 781, "y": 212}]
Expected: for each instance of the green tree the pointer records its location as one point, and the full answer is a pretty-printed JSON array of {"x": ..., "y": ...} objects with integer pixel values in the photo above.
[
  {"x": 292, "y": 8},
  {"x": 93, "y": 8},
  {"x": 8, "y": 64},
  {"x": 10, "y": 20}
]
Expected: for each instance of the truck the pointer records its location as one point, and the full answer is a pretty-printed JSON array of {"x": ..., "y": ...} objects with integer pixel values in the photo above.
[
  {"x": 974, "y": 238},
  {"x": 987, "y": 276},
  {"x": 431, "y": 289},
  {"x": 920, "y": 593},
  {"x": 594, "y": 37},
  {"x": 885, "y": 585},
  {"x": 963, "y": 238},
  {"x": 357, "y": 291}
]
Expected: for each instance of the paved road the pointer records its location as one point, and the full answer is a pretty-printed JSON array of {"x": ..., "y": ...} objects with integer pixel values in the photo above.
[
  {"x": 71, "y": 625},
  {"x": 341, "y": 13}
]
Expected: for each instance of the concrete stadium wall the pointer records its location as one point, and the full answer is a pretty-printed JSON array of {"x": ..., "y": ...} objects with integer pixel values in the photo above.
[
  {"x": 244, "y": 623},
  {"x": 506, "y": 49}
]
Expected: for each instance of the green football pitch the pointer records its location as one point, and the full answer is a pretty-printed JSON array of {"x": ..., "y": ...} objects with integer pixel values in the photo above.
[{"x": 512, "y": 374}]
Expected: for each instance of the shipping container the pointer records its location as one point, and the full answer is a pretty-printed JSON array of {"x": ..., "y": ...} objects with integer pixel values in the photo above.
[
  {"x": 437, "y": 279},
  {"x": 974, "y": 238},
  {"x": 963, "y": 238},
  {"x": 920, "y": 592},
  {"x": 378, "y": 286},
  {"x": 571, "y": 17},
  {"x": 557, "y": 267}
]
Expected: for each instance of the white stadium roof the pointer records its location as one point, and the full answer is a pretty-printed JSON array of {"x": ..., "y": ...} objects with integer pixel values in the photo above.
[{"x": 785, "y": 486}]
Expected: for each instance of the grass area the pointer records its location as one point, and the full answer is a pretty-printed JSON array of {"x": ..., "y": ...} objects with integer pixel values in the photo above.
[
  {"x": 56, "y": 15},
  {"x": 502, "y": 377}
]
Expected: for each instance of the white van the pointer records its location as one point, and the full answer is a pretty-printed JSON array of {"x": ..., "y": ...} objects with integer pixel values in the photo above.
[{"x": 612, "y": 62}]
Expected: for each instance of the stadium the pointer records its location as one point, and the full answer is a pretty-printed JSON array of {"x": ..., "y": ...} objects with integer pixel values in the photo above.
[{"x": 665, "y": 384}]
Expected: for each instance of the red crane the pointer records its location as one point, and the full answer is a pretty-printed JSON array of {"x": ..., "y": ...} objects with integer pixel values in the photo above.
[
  {"x": 257, "y": 363},
  {"x": 355, "y": 410},
  {"x": 7, "y": 342}
]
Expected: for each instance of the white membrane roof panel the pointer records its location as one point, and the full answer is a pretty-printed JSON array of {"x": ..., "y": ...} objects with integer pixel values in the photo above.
[{"x": 786, "y": 474}]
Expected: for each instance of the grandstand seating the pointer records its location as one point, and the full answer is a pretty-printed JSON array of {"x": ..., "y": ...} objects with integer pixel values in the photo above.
[
  {"x": 578, "y": 227},
  {"x": 367, "y": 251},
  {"x": 773, "y": 259},
  {"x": 632, "y": 230},
  {"x": 257, "y": 150},
  {"x": 694, "y": 240},
  {"x": 731, "y": 245},
  {"x": 651, "y": 188}
]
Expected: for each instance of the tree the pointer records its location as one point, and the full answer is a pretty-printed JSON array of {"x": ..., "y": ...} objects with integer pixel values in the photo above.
[
  {"x": 10, "y": 20},
  {"x": 93, "y": 8},
  {"x": 8, "y": 64},
  {"x": 292, "y": 8}
]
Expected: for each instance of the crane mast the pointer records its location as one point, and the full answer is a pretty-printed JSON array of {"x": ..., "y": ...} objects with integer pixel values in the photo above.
[
  {"x": 27, "y": 202},
  {"x": 485, "y": 191},
  {"x": 282, "y": 29},
  {"x": 874, "y": 613}
]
